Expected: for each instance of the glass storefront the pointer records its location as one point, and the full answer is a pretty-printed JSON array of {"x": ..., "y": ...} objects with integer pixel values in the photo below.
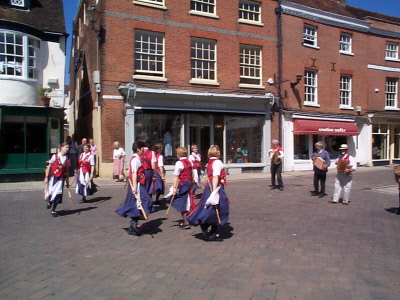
[
  {"x": 304, "y": 145},
  {"x": 396, "y": 142},
  {"x": 243, "y": 134},
  {"x": 380, "y": 139}
]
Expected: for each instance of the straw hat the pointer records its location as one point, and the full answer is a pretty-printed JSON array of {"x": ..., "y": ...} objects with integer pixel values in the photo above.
[{"x": 344, "y": 147}]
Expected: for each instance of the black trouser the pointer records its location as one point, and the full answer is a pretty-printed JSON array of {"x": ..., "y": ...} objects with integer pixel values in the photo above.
[
  {"x": 319, "y": 177},
  {"x": 276, "y": 170}
]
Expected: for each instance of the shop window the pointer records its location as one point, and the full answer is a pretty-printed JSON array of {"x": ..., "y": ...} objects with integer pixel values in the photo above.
[
  {"x": 380, "y": 135},
  {"x": 301, "y": 149},
  {"x": 244, "y": 137},
  {"x": 160, "y": 128}
]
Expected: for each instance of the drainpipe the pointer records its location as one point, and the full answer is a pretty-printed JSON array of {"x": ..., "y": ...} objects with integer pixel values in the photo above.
[{"x": 278, "y": 12}]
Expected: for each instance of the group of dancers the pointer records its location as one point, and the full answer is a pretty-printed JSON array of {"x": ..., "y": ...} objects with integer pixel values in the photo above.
[
  {"x": 146, "y": 177},
  {"x": 57, "y": 175}
]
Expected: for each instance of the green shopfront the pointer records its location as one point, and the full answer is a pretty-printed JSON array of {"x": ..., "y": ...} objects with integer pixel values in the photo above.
[{"x": 28, "y": 137}]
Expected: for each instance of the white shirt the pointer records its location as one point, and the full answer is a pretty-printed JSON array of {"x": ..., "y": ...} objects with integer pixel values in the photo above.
[
  {"x": 179, "y": 167},
  {"x": 153, "y": 155},
  {"x": 135, "y": 163},
  {"x": 160, "y": 161},
  {"x": 61, "y": 157},
  {"x": 90, "y": 159},
  {"x": 352, "y": 161},
  {"x": 217, "y": 167},
  {"x": 118, "y": 152}
]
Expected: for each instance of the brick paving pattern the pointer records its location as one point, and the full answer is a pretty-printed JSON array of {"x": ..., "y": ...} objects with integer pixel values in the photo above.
[{"x": 278, "y": 245}]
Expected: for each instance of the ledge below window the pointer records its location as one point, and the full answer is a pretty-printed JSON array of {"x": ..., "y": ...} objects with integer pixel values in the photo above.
[
  {"x": 346, "y": 107},
  {"x": 251, "y": 86},
  {"x": 392, "y": 59},
  {"x": 152, "y": 78},
  {"x": 143, "y": 3},
  {"x": 310, "y": 46},
  {"x": 248, "y": 22},
  {"x": 311, "y": 104},
  {"x": 346, "y": 53},
  {"x": 203, "y": 14},
  {"x": 392, "y": 108},
  {"x": 203, "y": 81}
]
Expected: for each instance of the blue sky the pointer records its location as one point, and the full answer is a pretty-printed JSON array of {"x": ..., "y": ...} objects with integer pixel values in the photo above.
[{"x": 388, "y": 7}]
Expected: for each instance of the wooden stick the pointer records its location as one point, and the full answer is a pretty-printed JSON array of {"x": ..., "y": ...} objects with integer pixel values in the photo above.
[
  {"x": 172, "y": 200},
  {"x": 138, "y": 201},
  {"x": 141, "y": 206}
]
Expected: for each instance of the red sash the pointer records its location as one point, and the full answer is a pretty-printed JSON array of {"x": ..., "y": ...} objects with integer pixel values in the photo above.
[
  {"x": 58, "y": 169},
  {"x": 146, "y": 159},
  {"x": 84, "y": 164},
  {"x": 222, "y": 176},
  {"x": 157, "y": 168},
  {"x": 186, "y": 173},
  {"x": 141, "y": 178},
  {"x": 196, "y": 162}
]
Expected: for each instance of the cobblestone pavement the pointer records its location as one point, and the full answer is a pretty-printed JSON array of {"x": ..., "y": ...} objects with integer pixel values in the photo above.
[{"x": 278, "y": 245}]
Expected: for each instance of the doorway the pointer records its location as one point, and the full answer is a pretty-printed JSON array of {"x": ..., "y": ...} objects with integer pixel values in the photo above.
[{"x": 200, "y": 136}]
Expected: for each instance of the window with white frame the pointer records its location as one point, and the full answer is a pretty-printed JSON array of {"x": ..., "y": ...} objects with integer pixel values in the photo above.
[
  {"x": 345, "y": 42},
  {"x": 392, "y": 50},
  {"x": 310, "y": 35},
  {"x": 345, "y": 91},
  {"x": 391, "y": 92},
  {"x": 18, "y": 2},
  {"x": 310, "y": 87},
  {"x": 203, "y": 59},
  {"x": 249, "y": 11},
  {"x": 250, "y": 65},
  {"x": 149, "y": 54},
  {"x": 18, "y": 55},
  {"x": 203, "y": 6}
]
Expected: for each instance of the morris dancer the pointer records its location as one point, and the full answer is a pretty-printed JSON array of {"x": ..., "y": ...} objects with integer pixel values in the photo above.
[
  {"x": 320, "y": 175},
  {"x": 195, "y": 158},
  {"x": 57, "y": 172},
  {"x": 137, "y": 198},
  {"x": 182, "y": 186},
  {"x": 84, "y": 177},
  {"x": 159, "y": 186},
  {"x": 148, "y": 160},
  {"x": 214, "y": 215},
  {"x": 343, "y": 181},
  {"x": 276, "y": 165}
]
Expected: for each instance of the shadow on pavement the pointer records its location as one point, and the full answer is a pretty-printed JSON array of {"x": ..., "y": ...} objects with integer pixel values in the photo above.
[
  {"x": 97, "y": 199},
  {"x": 67, "y": 212},
  {"x": 393, "y": 210}
]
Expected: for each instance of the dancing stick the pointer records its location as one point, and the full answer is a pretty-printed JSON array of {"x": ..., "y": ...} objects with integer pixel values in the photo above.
[
  {"x": 138, "y": 201},
  {"x": 172, "y": 200},
  {"x": 165, "y": 182}
]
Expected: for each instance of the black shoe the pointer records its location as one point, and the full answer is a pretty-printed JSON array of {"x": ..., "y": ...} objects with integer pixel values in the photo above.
[
  {"x": 322, "y": 195},
  {"x": 54, "y": 214},
  {"x": 135, "y": 230},
  {"x": 48, "y": 206},
  {"x": 398, "y": 211},
  {"x": 215, "y": 238},
  {"x": 281, "y": 188},
  {"x": 83, "y": 200},
  {"x": 184, "y": 226},
  {"x": 314, "y": 193}
]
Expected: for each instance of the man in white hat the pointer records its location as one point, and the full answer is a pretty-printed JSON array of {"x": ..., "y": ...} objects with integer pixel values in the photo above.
[{"x": 346, "y": 165}]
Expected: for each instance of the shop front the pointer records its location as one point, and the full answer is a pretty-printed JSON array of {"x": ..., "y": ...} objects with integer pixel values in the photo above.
[
  {"x": 239, "y": 124},
  {"x": 28, "y": 137},
  {"x": 302, "y": 131},
  {"x": 385, "y": 139}
]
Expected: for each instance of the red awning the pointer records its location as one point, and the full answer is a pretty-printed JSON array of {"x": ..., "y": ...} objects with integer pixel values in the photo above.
[{"x": 324, "y": 127}]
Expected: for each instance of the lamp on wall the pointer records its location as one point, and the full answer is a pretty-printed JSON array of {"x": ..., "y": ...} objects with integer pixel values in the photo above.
[
  {"x": 294, "y": 83},
  {"x": 128, "y": 91},
  {"x": 91, "y": 15}
]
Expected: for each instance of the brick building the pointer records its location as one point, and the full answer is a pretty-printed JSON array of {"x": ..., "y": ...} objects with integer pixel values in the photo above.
[
  {"x": 208, "y": 72},
  {"x": 348, "y": 64},
  {"x": 177, "y": 72}
]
